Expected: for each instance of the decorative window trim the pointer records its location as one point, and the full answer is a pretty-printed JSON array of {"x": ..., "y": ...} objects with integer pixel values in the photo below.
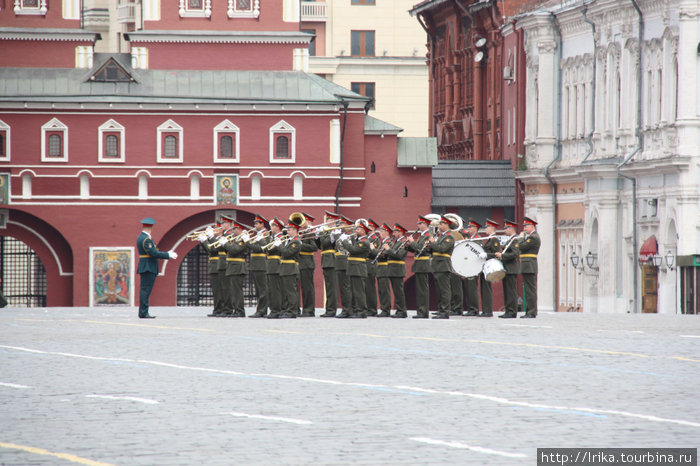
[
  {"x": 233, "y": 12},
  {"x": 54, "y": 126},
  {"x": 111, "y": 126},
  {"x": 283, "y": 128},
  {"x": 5, "y": 128},
  {"x": 20, "y": 9},
  {"x": 169, "y": 127},
  {"x": 223, "y": 128},
  {"x": 186, "y": 12}
]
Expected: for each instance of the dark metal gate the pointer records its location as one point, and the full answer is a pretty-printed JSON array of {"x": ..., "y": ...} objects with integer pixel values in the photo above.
[
  {"x": 23, "y": 274},
  {"x": 193, "y": 287}
]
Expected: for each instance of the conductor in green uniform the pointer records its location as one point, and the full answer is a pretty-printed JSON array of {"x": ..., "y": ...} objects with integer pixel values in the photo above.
[
  {"x": 149, "y": 255},
  {"x": 529, "y": 247}
]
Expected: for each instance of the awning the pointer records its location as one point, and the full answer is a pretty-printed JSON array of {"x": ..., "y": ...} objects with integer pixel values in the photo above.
[{"x": 649, "y": 248}]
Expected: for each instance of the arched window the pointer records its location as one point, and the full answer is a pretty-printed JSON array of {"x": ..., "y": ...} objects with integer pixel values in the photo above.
[
  {"x": 84, "y": 187},
  {"x": 298, "y": 187},
  {"x": 255, "y": 187},
  {"x": 194, "y": 187},
  {"x": 143, "y": 187}
]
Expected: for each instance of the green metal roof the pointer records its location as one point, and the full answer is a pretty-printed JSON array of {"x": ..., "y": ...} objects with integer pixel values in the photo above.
[
  {"x": 170, "y": 86},
  {"x": 379, "y": 127},
  {"x": 417, "y": 152}
]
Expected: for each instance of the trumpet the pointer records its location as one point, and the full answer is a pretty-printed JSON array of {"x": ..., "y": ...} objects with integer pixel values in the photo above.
[
  {"x": 194, "y": 236},
  {"x": 218, "y": 243},
  {"x": 259, "y": 236}
]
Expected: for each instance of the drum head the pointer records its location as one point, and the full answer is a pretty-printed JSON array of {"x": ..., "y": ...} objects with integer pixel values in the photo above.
[{"x": 465, "y": 259}]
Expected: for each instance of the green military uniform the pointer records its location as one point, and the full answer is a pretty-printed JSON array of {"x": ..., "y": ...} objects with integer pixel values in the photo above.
[
  {"x": 440, "y": 264},
  {"x": 472, "y": 288},
  {"x": 258, "y": 266},
  {"x": 529, "y": 247},
  {"x": 289, "y": 273},
  {"x": 236, "y": 271},
  {"x": 213, "y": 271},
  {"x": 397, "y": 272},
  {"x": 330, "y": 281},
  {"x": 510, "y": 258},
  {"x": 341, "y": 267},
  {"x": 274, "y": 289},
  {"x": 307, "y": 266},
  {"x": 371, "y": 283},
  {"x": 421, "y": 270},
  {"x": 491, "y": 246},
  {"x": 226, "y": 308},
  {"x": 383, "y": 283},
  {"x": 358, "y": 250}
]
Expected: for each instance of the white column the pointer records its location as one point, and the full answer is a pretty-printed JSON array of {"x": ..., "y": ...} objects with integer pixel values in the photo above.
[{"x": 688, "y": 104}]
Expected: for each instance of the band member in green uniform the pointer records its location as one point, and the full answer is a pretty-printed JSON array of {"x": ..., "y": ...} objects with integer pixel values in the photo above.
[
  {"x": 472, "y": 283},
  {"x": 510, "y": 257},
  {"x": 236, "y": 269},
  {"x": 529, "y": 247},
  {"x": 357, "y": 247},
  {"x": 421, "y": 267},
  {"x": 397, "y": 270},
  {"x": 258, "y": 265},
  {"x": 148, "y": 264},
  {"x": 341, "y": 266},
  {"x": 307, "y": 266},
  {"x": 371, "y": 285},
  {"x": 383, "y": 282},
  {"x": 326, "y": 243},
  {"x": 224, "y": 281},
  {"x": 289, "y": 271},
  {"x": 207, "y": 240},
  {"x": 274, "y": 288},
  {"x": 441, "y": 247},
  {"x": 491, "y": 247}
]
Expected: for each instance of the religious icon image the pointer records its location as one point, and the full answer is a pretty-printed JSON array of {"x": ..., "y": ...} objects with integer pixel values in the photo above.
[
  {"x": 111, "y": 277},
  {"x": 226, "y": 189}
]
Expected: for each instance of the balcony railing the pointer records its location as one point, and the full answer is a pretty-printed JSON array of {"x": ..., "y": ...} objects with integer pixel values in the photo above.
[
  {"x": 313, "y": 11},
  {"x": 126, "y": 12}
]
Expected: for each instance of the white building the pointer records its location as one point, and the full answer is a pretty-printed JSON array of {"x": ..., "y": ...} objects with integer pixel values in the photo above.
[{"x": 612, "y": 150}]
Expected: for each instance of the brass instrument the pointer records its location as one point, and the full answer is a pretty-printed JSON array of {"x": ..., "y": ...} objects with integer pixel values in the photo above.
[
  {"x": 194, "y": 236},
  {"x": 297, "y": 218},
  {"x": 218, "y": 243},
  {"x": 459, "y": 224},
  {"x": 260, "y": 235}
]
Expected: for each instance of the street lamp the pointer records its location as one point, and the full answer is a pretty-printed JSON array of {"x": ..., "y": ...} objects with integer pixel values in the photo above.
[
  {"x": 656, "y": 260},
  {"x": 575, "y": 261},
  {"x": 669, "y": 260},
  {"x": 592, "y": 260}
]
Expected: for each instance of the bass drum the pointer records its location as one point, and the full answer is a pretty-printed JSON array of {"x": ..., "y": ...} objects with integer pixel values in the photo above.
[
  {"x": 465, "y": 259},
  {"x": 494, "y": 270}
]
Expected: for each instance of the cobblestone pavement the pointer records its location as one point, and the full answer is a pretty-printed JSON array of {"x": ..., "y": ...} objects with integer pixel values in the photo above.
[{"x": 84, "y": 385}]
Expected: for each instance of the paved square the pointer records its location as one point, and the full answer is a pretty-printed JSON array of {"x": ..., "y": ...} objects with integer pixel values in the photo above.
[{"x": 100, "y": 386}]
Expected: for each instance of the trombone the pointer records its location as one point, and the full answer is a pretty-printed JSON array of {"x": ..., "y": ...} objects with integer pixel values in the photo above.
[{"x": 219, "y": 242}]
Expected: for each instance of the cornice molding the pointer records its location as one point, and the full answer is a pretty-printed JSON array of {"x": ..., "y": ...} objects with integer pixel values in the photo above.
[
  {"x": 222, "y": 37},
  {"x": 53, "y": 35}
]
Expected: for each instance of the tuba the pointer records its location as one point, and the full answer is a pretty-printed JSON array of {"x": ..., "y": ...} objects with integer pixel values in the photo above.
[
  {"x": 297, "y": 218},
  {"x": 434, "y": 222},
  {"x": 458, "y": 224}
]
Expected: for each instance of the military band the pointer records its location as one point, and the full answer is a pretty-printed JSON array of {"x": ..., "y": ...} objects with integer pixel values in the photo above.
[{"x": 361, "y": 261}]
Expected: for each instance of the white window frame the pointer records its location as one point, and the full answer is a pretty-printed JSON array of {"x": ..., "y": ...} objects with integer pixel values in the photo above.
[
  {"x": 111, "y": 126},
  {"x": 20, "y": 9},
  {"x": 253, "y": 12},
  {"x": 298, "y": 190},
  {"x": 227, "y": 127},
  {"x": 54, "y": 126},
  {"x": 255, "y": 186},
  {"x": 4, "y": 127},
  {"x": 186, "y": 12},
  {"x": 282, "y": 127},
  {"x": 169, "y": 127}
]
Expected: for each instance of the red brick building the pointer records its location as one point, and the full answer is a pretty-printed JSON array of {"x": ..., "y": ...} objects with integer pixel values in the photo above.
[{"x": 205, "y": 114}]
